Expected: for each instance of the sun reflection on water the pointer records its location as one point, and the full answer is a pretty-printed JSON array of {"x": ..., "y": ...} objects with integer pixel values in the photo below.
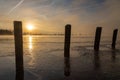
[
  {"x": 30, "y": 46},
  {"x": 30, "y": 43}
]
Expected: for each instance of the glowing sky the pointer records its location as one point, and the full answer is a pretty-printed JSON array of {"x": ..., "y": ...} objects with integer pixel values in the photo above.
[{"x": 53, "y": 15}]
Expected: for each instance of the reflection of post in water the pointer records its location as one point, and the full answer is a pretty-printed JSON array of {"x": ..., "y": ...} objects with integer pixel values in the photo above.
[
  {"x": 96, "y": 60},
  {"x": 18, "y": 50},
  {"x": 113, "y": 55},
  {"x": 67, "y": 66}
]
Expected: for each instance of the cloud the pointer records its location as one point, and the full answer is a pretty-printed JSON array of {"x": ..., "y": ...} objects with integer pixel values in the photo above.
[{"x": 82, "y": 14}]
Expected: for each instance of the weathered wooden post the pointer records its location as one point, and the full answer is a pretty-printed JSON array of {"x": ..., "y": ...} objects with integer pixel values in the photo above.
[
  {"x": 115, "y": 32},
  {"x": 67, "y": 50},
  {"x": 97, "y": 38},
  {"x": 18, "y": 50},
  {"x": 67, "y": 40}
]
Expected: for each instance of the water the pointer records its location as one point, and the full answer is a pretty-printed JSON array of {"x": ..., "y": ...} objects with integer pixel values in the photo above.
[{"x": 44, "y": 58}]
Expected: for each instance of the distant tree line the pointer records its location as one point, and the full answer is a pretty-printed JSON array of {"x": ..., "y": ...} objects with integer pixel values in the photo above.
[
  {"x": 27, "y": 33},
  {"x": 5, "y": 32}
]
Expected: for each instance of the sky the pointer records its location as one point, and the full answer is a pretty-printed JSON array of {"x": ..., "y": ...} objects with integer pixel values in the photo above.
[{"x": 51, "y": 16}]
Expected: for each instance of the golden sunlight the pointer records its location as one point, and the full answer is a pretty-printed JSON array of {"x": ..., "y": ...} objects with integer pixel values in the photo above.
[
  {"x": 30, "y": 42},
  {"x": 30, "y": 27}
]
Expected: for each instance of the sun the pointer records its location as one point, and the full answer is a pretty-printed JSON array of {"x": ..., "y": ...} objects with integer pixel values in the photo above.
[{"x": 30, "y": 27}]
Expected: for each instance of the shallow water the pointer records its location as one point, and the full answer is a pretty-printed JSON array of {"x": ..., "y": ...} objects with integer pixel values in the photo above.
[{"x": 44, "y": 59}]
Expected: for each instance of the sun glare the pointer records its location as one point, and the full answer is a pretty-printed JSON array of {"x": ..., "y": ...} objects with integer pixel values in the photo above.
[{"x": 30, "y": 27}]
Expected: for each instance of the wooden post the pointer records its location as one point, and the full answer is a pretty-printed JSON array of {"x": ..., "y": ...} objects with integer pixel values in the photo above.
[
  {"x": 114, "y": 38},
  {"x": 97, "y": 38},
  {"x": 67, "y": 40},
  {"x": 18, "y": 50}
]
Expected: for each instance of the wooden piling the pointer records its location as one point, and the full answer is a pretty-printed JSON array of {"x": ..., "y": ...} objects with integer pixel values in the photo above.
[
  {"x": 67, "y": 40},
  {"x": 115, "y": 32},
  {"x": 18, "y": 50},
  {"x": 97, "y": 38}
]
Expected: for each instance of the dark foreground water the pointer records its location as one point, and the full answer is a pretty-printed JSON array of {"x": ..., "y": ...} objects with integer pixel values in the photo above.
[{"x": 44, "y": 59}]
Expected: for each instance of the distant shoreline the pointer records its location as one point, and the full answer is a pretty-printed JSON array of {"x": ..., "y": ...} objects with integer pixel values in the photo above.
[{"x": 36, "y": 34}]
